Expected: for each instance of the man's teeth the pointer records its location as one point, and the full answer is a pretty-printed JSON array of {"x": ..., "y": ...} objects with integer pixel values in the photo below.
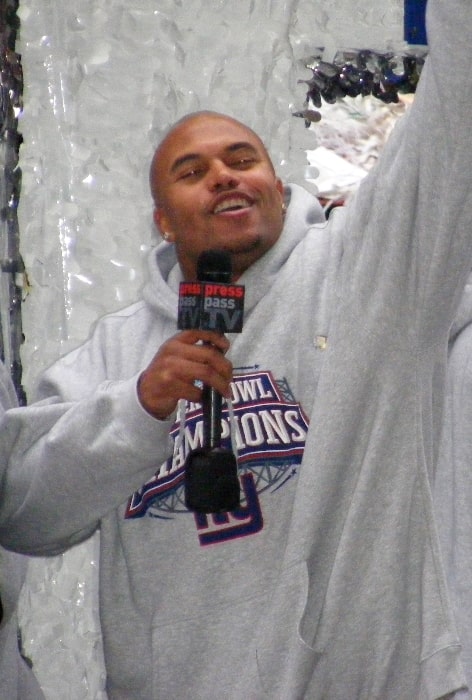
[{"x": 230, "y": 205}]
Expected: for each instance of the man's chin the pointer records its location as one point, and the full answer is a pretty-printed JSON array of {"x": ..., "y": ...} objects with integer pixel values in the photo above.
[
  {"x": 241, "y": 249},
  {"x": 244, "y": 256}
]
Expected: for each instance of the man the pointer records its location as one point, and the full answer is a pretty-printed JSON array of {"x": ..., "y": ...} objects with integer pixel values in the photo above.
[
  {"x": 17, "y": 681},
  {"x": 326, "y": 582}
]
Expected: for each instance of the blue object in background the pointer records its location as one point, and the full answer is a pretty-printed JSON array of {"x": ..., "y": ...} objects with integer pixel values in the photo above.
[{"x": 414, "y": 24}]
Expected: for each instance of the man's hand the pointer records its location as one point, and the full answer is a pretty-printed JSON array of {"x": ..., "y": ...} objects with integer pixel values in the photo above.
[{"x": 186, "y": 358}]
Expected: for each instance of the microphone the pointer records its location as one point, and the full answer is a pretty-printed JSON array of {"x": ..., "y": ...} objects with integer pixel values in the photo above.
[{"x": 211, "y": 483}]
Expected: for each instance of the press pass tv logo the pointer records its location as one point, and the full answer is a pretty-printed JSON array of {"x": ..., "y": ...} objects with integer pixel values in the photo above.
[{"x": 211, "y": 306}]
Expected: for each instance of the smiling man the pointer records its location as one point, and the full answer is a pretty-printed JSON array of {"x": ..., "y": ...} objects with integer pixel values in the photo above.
[{"x": 326, "y": 583}]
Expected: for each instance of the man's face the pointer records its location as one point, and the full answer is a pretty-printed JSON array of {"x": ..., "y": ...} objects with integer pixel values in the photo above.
[{"x": 216, "y": 188}]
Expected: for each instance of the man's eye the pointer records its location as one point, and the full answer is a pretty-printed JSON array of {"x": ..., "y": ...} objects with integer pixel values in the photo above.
[
  {"x": 243, "y": 162},
  {"x": 188, "y": 174}
]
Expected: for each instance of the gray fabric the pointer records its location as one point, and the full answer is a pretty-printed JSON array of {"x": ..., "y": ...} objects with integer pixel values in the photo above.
[
  {"x": 17, "y": 681},
  {"x": 453, "y": 482},
  {"x": 328, "y": 583}
]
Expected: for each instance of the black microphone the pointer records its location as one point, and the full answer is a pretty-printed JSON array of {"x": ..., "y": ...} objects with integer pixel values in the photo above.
[{"x": 211, "y": 483}]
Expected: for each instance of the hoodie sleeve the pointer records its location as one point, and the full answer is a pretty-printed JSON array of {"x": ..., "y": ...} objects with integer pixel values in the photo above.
[
  {"x": 362, "y": 561},
  {"x": 8, "y": 397},
  {"x": 408, "y": 240},
  {"x": 75, "y": 454}
]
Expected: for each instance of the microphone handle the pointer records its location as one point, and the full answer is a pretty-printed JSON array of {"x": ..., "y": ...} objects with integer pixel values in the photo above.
[{"x": 211, "y": 404}]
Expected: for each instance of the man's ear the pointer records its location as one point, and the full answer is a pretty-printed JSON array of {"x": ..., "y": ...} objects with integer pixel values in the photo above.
[
  {"x": 157, "y": 215},
  {"x": 280, "y": 187},
  {"x": 160, "y": 221}
]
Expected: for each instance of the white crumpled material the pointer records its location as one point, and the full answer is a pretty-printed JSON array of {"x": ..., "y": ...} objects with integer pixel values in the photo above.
[
  {"x": 350, "y": 137},
  {"x": 103, "y": 80}
]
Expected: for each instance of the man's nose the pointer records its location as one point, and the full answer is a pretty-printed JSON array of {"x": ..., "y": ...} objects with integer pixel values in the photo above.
[{"x": 222, "y": 176}]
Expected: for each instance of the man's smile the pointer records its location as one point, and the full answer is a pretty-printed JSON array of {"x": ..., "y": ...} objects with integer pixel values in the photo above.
[{"x": 233, "y": 202}]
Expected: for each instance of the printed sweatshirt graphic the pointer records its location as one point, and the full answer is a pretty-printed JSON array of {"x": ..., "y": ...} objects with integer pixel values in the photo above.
[{"x": 269, "y": 429}]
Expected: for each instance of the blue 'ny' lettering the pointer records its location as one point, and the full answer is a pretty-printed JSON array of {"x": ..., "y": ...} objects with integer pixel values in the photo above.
[{"x": 221, "y": 527}]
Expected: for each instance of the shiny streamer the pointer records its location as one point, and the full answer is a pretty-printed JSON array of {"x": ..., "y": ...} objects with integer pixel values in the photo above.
[{"x": 362, "y": 72}]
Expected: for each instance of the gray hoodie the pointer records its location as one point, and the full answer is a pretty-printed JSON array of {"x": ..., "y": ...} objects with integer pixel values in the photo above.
[{"x": 327, "y": 583}]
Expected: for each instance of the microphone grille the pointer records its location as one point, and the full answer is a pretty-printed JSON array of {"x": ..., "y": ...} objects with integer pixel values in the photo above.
[{"x": 214, "y": 266}]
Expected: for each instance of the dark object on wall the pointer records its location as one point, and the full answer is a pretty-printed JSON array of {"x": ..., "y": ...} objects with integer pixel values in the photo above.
[
  {"x": 414, "y": 22},
  {"x": 12, "y": 273}
]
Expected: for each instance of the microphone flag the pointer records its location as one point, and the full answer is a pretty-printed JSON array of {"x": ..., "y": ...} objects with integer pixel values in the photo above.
[{"x": 211, "y": 306}]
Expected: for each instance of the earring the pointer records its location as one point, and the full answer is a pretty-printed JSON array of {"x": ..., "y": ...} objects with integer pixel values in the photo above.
[
  {"x": 284, "y": 208},
  {"x": 165, "y": 236}
]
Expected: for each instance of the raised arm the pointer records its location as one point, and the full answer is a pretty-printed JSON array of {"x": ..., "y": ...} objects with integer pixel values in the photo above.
[{"x": 407, "y": 237}]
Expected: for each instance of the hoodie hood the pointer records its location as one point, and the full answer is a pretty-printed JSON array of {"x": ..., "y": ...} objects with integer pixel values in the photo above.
[{"x": 303, "y": 210}]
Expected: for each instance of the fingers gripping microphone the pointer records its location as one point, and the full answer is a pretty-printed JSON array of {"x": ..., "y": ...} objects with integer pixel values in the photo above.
[{"x": 211, "y": 481}]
